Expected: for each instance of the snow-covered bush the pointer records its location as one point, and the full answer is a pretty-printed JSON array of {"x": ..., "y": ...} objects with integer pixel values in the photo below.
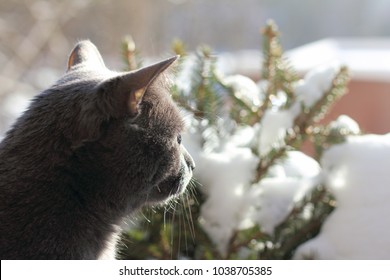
[{"x": 256, "y": 196}]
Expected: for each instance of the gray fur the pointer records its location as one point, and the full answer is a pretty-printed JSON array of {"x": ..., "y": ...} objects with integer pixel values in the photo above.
[{"x": 80, "y": 160}]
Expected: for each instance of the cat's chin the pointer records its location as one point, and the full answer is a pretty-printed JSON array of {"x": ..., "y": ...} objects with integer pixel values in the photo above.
[{"x": 171, "y": 188}]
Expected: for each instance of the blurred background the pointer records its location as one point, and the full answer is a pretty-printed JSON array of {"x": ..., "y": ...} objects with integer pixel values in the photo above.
[{"x": 36, "y": 36}]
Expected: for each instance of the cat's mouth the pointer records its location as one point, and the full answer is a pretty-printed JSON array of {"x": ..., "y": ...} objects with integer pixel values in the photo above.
[
  {"x": 173, "y": 186},
  {"x": 176, "y": 183}
]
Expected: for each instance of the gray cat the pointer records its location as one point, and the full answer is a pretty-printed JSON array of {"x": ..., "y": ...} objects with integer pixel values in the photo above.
[{"x": 88, "y": 152}]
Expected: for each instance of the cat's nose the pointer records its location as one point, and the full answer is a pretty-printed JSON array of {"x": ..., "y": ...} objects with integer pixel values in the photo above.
[
  {"x": 188, "y": 158},
  {"x": 191, "y": 163}
]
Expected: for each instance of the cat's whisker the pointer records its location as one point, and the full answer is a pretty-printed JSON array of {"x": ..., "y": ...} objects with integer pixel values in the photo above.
[
  {"x": 165, "y": 218},
  {"x": 190, "y": 220},
  {"x": 183, "y": 224},
  {"x": 145, "y": 217},
  {"x": 173, "y": 230}
]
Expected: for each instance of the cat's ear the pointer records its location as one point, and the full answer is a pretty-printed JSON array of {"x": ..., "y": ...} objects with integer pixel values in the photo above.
[
  {"x": 126, "y": 91},
  {"x": 143, "y": 78},
  {"x": 86, "y": 54}
]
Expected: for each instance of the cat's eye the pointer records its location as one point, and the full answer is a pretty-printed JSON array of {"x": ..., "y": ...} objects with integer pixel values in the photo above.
[{"x": 179, "y": 139}]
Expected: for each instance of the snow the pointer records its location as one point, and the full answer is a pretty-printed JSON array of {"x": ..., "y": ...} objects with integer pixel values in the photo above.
[
  {"x": 297, "y": 165},
  {"x": 356, "y": 172},
  {"x": 345, "y": 124},
  {"x": 232, "y": 201},
  {"x": 315, "y": 84},
  {"x": 273, "y": 129},
  {"x": 273, "y": 198},
  {"x": 225, "y": 173},
  {"x": 276, "y": 122},
  {"x": 245, "y": 89}
]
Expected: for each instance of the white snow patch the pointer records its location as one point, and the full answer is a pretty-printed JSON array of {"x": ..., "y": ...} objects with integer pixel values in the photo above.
[
  {"x": 273, "y": 130},
  {"x": 245, "y": 89},
  {"x": 315, "y": 84},
  {"x": 226, "y": 174},
  {"x": 273, "y": 198},
  {"x": 356, "y": 172},
  {"x": 298, "y": 165},
  {"x": 346, "y": 124}
]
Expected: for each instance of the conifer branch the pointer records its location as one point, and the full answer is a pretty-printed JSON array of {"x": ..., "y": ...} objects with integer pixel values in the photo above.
[
  {"x": 304, "y": 121},
  {"x": 271, "y": 52},
  {"x": 275, "y": 69},
  {"x": 295, "y": 229}
]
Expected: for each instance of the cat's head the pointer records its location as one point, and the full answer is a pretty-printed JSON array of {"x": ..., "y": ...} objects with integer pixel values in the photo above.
[{"x": 123, "y": 127}]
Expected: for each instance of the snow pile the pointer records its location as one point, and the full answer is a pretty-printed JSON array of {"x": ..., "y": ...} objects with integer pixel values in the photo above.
[
  {"x": 233, "y": 203},
  {"x": 271, "y": 200},
  {"x": 357, "y": 174},
  {"x": 225, "y": 172}
]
